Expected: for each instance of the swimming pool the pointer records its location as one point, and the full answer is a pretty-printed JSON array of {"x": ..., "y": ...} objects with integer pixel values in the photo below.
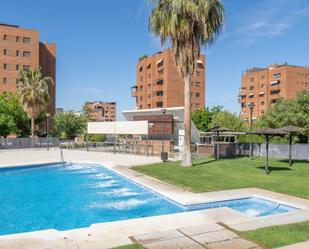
[{"x": 78, "y": 195}]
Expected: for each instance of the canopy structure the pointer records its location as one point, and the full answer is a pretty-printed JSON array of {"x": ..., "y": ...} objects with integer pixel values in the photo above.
[
  {"x": 118, "y": 128},
  {"x": 268, "y": 133},
  {"x": 217, "y": 130},
  {"x": 291, "y": 130}
]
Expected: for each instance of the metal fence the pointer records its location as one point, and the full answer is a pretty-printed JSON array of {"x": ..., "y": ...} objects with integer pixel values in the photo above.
[
  {"x": 25, "y": 143},
  {"x": 299, "y": 151}
]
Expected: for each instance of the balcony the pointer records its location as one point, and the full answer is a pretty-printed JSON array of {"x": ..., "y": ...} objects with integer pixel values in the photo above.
[{"x": 134, "y": 91}]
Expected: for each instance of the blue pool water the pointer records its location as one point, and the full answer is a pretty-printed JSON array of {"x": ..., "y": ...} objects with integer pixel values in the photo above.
[{"x": 78, "y": 195}]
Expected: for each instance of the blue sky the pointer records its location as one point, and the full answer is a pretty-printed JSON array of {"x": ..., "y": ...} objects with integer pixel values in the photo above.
[{"x": 99, "y": 42}]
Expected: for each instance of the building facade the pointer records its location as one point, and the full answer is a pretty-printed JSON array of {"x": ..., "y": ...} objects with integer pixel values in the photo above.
[
  {"x": 20, "y": 49},
  {"x": 159, "y": 85},
  {"x": 264, "y": 86},
  {"x": 102, "y": 111}
]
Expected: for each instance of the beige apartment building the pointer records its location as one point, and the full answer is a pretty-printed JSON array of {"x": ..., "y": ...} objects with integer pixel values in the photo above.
[
  {"x": 102, "y": 111},
  {"x": 264, "y": 86},
  {"x": 159, "y": 85},
  {"x": 20, "y": 49}
]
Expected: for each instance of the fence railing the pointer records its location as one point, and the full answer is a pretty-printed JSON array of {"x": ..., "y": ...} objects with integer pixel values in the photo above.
[{"x": 25, "y": 143}]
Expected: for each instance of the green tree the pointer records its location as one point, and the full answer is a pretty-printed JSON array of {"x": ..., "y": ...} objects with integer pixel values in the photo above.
[
  {"x": 228, "y": 120},
  {"x": 289, "y": 112},
  {"x": 33, "y": 91},
  {"x": 188, "y": 25},
  {"x": 69, "y": 125},
  {"x": 202, "y": 118},
  {"x": 13, "y": 119}
]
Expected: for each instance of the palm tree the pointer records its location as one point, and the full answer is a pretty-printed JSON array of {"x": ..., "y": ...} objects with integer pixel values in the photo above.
[
  {"x": 187, "y": 24},
  {"x": 33, "y": 92}
]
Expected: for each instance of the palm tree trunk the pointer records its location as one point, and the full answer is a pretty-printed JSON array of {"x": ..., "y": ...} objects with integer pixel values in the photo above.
[
  {"x": 186, "y": 150},
  {"x": 32, "y": 130}
]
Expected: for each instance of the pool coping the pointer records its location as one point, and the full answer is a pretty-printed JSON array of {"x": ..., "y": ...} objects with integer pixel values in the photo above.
[{"x": 231, "y": 218}]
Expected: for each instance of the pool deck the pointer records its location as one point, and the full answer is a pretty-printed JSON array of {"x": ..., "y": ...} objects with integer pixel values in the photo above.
[{"x": 176, "y": 228}]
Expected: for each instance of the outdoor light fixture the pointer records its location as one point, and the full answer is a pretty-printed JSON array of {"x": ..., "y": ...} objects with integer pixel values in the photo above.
[
  {"x": 164, "y": 154},
  {"x": 251, "y": 107}
]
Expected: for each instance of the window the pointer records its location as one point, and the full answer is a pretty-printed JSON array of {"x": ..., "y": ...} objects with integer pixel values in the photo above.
[
  {"x": 149, "y": 66},
  {"x": 274, "y": 92},
  {"x": 197, "y": 95},
  {"x": 159, "y": 104},
  {"x": 141, "y": 88},
  {"x": 26, "y": 40},
  {"x": 197, "y": 84},
  {"x": 198, "y": 73},
  {"x": 26, "y": 67},
  {"x": 141, "y": 107},
  {"x": 17, "y": 67},
  {"x": 251, "y": 79},
  {"x": 149, "y": 76},
  {"x": 17, "y": 38},
  {"x": 262, "y": 111},
  {"x": 251, "y": 96},
  {"x": 149, "y": 105},
  {"x": 159, "y": 93},
  {"x": 4, "y": 66},
  {"x": 243, "y": 105},
  {"x": 263, "y": 86},
  {"x": 277, "y": 75},
  {"x": 262, "y": 102},
  {"x": 17, "y": 53},
  {"x": 251, "y": 88},
  {"x": 140, "y": 98},
  {"x": 5, "y": 37},
  {"x": 262, "y": 77},
  {"x": 160, "y": 64},
  {"x": 273, "y": 101},
  {"x": 26, "y": 54},
  {"x": 4, "y": 80},
  {"x": 200, "y": 65},
  {"x": 4, "y": 51},
  {"x": 141, "y": 77},
  {"x": 159, "y": 82},
  {"x": 161, "y": 71},
  {"x": 17, "y": 81}
]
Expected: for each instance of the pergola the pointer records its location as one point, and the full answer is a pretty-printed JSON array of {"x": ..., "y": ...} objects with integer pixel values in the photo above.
[
  {"x": 217, "y": 130},
  {"x": 291, "y": 130},
  {"x": 267, "y": 134}
]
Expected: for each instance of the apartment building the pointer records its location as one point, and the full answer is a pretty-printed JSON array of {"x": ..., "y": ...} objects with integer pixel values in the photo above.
[
  {"x": 102, "y": 111},
  {"x": 264, "y": 86},
  {"x": 159, "y": 85},
  {"x": 20, "y": 49}
]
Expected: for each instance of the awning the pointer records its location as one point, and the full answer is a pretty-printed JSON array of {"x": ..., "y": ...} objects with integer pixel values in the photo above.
[
  {"x": 251, "y": 94},
  {"x": 261, "y": 93},
  {"x": 159, "y": 61},
  {"x": 199, "y": 61},
  {"x": 274, "y": 82}
]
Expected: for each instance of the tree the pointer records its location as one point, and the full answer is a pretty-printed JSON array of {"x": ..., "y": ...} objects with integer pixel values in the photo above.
[
  {"x": 69, "y": 124},
  {"x": 228, "y": 120},
  {"x": 289, "y": 112},
  {"x": 188, "y": 24},
  {"x": 33, "y": 91},
  {"x": 13, "y": 119},
  {"x": 202, "y": 118}
]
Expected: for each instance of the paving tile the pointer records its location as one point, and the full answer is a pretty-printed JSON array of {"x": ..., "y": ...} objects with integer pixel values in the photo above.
[
  {"x": 105, "y": 243},
  {"x": 234, "y": 244},
  {"x": 214, "y": 236},
  {"x": 195, "y": 230},
  {"x": 179, "y": 243},
  {"x": 160, "y": 236},
  {"x": 302, "y": 245}
]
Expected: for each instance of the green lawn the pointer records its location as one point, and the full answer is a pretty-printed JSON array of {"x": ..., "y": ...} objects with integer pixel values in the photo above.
[
  {"x": 277, "y": 236},
  {"x": 210, "y": 175}
]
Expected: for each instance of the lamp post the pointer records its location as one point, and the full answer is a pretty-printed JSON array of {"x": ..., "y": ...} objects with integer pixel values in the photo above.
[
  {"x": 47, "y": 129},
  {"x": 251, "y": 106},
  {"x": 163, "y": 153}
]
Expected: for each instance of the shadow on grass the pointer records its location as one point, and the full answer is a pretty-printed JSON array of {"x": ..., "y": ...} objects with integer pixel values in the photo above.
[
  {"x": 271, "y": 168},
  {"x": 294, "y": 161},
  {"x": 205, "y": 162}
]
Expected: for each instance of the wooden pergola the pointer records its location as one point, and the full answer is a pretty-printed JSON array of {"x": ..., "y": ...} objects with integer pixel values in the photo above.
[
  {"x": 267, "y": 134},
  {"x": 218, "y": 130},
  {"x": 291, "y": 131}
]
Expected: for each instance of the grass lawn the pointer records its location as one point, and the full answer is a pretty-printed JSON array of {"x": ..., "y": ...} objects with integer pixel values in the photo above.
[
  {"x": 210, "y": 175},
  {"x": 277, "y": 236}
]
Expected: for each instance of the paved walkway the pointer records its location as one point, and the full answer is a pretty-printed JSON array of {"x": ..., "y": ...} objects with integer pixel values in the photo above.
[
  {"x": 302, "y": 245},
  {"x": 210, "y": 236}
]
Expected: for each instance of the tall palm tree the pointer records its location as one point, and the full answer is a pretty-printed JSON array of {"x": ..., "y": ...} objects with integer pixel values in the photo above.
[
  {"x": 33, "y": 92},
  {"x": 188, "y": 25}
]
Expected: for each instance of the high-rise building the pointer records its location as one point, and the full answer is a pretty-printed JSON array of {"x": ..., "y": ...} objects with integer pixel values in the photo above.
[
  {"x": 102, "y": 111},
  {"x": 20, "y": 49},
  {"x": 264, "y": 86},
  {"x": 159, "y": 85}
]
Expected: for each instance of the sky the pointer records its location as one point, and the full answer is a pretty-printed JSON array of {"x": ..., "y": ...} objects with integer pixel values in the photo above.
[{"x": 100, "y": 41}]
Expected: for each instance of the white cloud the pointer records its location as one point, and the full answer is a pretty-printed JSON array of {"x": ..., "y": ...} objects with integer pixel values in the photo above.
[{"x": 268, "y": 18}]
